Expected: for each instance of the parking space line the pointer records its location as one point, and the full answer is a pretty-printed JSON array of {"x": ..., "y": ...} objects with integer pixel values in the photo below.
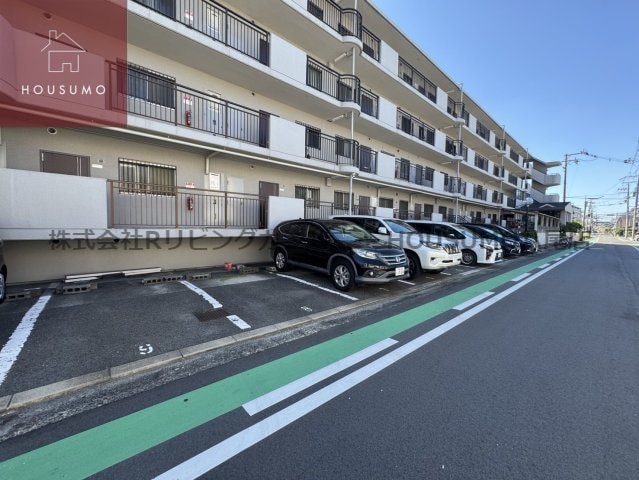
[
  {"x": 470, "y": 272},
  {"x": 238, "y": 322},
  {"x": 473, "y": 301},
  {"x": 202, "y": 294},
  {"x": 520, "y": 277},
  {"x": 13, "y": 347},
  {"x": 282, "y": 393},
  {"x": 406, "y": 282},
  {"x": 335, "y": 292}
]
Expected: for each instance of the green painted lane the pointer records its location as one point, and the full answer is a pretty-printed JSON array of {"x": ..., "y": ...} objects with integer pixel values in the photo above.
[{"x": 101, "y": 447}]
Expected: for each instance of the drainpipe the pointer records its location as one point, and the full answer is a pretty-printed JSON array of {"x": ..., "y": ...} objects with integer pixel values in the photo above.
[
  {"x": 459, "y": 139},
  {"x": 350, "y": 193}
]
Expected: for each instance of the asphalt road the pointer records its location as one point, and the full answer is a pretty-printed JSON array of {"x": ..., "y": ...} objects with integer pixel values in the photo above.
[{"x": 529, "y": 374}]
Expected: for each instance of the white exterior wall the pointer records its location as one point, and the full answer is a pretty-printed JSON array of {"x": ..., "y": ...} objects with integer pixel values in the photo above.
[
  {"x": 283, "y": 208},
  {"x": 288, "y": 59},
  {"x": 440, "y": 140},
  {"x": 388, "y": 58},
  {"x": 36, "y": 200},
  {"x": 442, "y": 99},
  {"x": 385, "y": 165},
  {"x": 287, "y": 138},
  {"x": 387, "y": 113},
  {"x": 472, "y": 123}
]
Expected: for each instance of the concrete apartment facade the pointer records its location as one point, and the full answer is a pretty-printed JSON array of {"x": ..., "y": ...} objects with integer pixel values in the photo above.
[{"x": 243, "y": 114}]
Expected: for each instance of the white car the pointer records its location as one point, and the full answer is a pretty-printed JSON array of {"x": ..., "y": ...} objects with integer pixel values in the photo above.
[
  {"x": 475, "y": 249},
  {"x": 431, "y": 255}
]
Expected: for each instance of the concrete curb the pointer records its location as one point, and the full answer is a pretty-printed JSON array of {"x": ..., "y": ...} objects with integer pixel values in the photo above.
[{"x": 59, "y": 389}]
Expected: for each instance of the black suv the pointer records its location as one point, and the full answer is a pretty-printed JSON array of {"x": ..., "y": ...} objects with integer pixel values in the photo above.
[
  {"x": 342, "y": 249},
  {"x": 510, "y": 246},
  {"x": 528, "y": 245}
]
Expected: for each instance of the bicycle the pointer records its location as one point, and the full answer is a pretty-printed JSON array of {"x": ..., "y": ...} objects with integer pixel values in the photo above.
[{"x": 563, "y": 242}]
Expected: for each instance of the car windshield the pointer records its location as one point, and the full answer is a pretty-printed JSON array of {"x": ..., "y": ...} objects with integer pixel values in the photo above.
[
  {"x": 466, "y": 231},
  {"x": 349, "y": 232},
  {"x": 398, "y": 226}
]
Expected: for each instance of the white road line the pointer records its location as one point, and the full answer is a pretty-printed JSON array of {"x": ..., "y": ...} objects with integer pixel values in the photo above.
[
  {"x": 209, "y": 459},
  {"x": 470, "y": 272},
  {"x": 445, "y": 273},
  {"x": 408, "y": 283},
  {"x": 276, "y": 396},
  {"x": 13, "y": 347},
  {"x": 473, "y": 301},
  {"x": 238, "y": 322},
  {"x": 521, "y": 277},
  {"x": 202, "y": 294},
  {"x": 544, "y": 265},
  {"x": 335, "y": 292}
]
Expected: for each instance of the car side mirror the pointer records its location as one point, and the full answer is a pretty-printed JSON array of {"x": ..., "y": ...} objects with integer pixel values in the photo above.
[{"x": 382, "y": 231}]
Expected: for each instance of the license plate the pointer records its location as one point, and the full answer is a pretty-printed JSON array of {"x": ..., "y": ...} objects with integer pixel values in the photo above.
[{"x": 399, "y": 271}]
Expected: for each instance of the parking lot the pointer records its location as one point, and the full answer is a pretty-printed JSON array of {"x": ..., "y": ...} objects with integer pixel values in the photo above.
[{"x": 123, "y": 320}]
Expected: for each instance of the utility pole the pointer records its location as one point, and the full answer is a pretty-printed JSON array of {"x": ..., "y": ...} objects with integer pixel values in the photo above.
[
  {"x": 634, "y": 212},
  {"x": 627, "y": 208},
  {"x": 583, "y": 152}
]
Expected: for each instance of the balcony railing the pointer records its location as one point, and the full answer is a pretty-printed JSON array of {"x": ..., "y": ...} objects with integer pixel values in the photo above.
[
  {"x": 500, "y": 144},
  {"x": 483, "y": 131},
  {"x": 369, "y": 103},
  {"x": 512, "y": 179},
  {"x": 133, "y": 204},
  {"x": 455, "y": 147},
  {"x": 340, "y": 151},
  {"x": 414, "y": 127},
  {"x": 454, "y": 185},
  {"x": 510, "y": 202},
  {"x": 498, "y": 197},
  {"x": 324, "y": 210},
  {"x": 456, "y": 109},
  {"x": 414, "y": 78},
  {"x": 152, "y": 95},
  {"x": 481, "y": 162},
  {"x": 216, "y": 22},
  {"x": 345, "y": 21},
  {"x": 514, "y": 156},
  {"x": 344, "y": 88},
  {"x": 370, "y": 44},
  {"x": 480, "y": 193},
  {"x": 413, "y": 173},
  {"x": 411, "y": 215}
]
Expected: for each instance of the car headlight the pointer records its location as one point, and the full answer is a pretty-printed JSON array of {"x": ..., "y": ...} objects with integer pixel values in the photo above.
[
  {"x": 362, "y": 252},
  {"x": 486, "y": 246},
  {"x": 433, "y": 245},
  {"x": 510, "y": 242}
]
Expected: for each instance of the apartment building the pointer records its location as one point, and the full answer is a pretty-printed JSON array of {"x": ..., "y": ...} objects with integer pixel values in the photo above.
[{"x": 240, "y": 114}]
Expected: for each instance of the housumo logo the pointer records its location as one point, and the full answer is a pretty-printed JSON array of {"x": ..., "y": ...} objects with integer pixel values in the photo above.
[{"x": 63, "y": 56}]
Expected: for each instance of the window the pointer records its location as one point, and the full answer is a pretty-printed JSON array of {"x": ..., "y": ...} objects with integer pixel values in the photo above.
[
  {"x": 150, "y": 86},
  {"x": 150, "y": 178},
  {"x": 313, "y": 138},
  {"x": 428, "y": 210},
  {"x": 406, "y": 125},
  {"x": 385, "y": 202},
  {"x": 310, "y": 195},
  {"x": 314, "y": 76},
  {"x": 344, "y": 147},
  {"x": 341, "y": 200},
  {"x": 404, "y": 169},
  {"x": 344, "y": 92},
  {"x": 65, "y": 163}
]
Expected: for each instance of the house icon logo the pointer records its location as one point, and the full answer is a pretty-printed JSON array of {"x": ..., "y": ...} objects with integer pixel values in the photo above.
[{"x": 63, "y": 53}]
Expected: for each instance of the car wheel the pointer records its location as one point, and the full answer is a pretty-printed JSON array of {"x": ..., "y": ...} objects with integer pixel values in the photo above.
[
  {"x": 468, "y": 257},
  {"x": 281, "y": 260},
  {"x": 414, "y": 266},
  {"x": 3, "y": 286},
  {"x": 343, "y": 275}
]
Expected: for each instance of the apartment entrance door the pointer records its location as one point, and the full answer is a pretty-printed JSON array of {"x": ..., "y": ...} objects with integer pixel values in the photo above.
[{"x": 267, "y": 189}]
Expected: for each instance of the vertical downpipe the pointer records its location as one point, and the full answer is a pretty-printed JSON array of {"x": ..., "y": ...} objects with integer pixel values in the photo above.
[{"x": 459, "y": 139}]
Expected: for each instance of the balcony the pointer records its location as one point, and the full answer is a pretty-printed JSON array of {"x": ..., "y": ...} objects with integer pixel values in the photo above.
[
  {"x": 369, "y": 102},
  {"x": 510, "y": 202},
  {"x": 340, "y": 151},
  {"x": 498, "y": 197},
  {"x": 414, "y": 127},
  {"x": 325, "y": 210},
  {"x": 456, "y": 148},
  {"x": 371, "y": 44},
  {"x": 345, "y": 88},
  {"x": 154, "y": 95},
  {"x": 512, "y": 179},
  {"x": 480, "y": 193},
  {"x": 454, "y": 185},
  {"x": 481, "y": 162},
  {"x": 547, "y": 180},
  {"x": 418, "y": 81},
  {"x": 216, "y": 22},
  {"x": 414, "y": 173},
  {"x": 133, "y": 204},
  {"x": 345, "y": 21}
]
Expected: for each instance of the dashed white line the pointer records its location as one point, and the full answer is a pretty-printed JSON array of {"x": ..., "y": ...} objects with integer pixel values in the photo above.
[
  {"x": 276, "y": 396},
  {"x": 473, "y": 301},
  {"x": 334, "y": 292},
  {"x": 13, "y": 347},
  {"x": 202, "y": 294},
  {"x": 238, "y": 322},
  {"x": 469, "y": 272},
  {"x": 544, "y": 265},
  {"x": 520, "y": 277}
]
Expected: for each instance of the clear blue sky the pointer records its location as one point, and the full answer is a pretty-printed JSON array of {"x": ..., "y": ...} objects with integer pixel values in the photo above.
[{"x": 561, "y": 75}]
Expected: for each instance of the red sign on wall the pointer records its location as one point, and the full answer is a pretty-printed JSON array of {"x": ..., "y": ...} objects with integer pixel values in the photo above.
[{"x": 59, "y": 63}]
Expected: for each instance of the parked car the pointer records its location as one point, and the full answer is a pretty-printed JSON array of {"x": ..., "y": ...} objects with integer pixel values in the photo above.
[
  {"x": 509, "y": 246},
  {"x": 423, "y": 254},
  {"x": 528, "y": 245},
  {"x": 348, "y": 253},
  {"x": 474, "y": 248},
  {"x": 3, "y": 276}
]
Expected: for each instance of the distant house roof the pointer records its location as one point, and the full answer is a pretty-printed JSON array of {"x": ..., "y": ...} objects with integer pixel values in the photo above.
[{"x": 548, "y": 206}]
